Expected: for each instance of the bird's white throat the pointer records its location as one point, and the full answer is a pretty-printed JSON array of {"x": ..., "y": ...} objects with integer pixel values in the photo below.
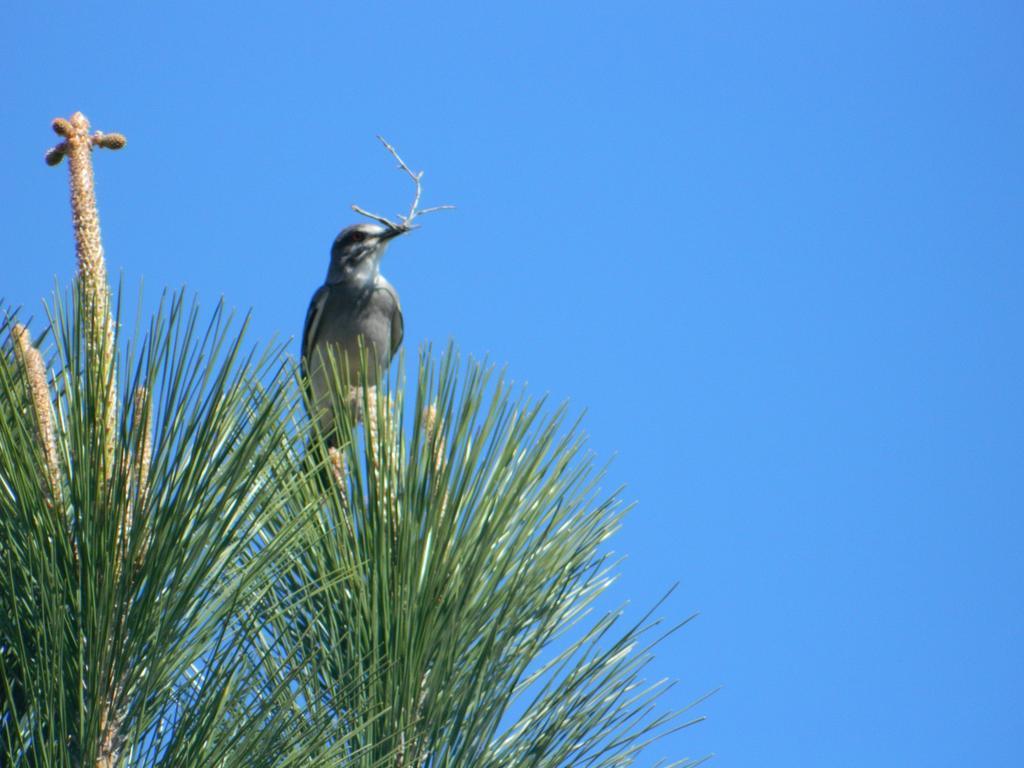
[
  {"x": 365, "y": 273},
  {"x": 360, "y": 276}
]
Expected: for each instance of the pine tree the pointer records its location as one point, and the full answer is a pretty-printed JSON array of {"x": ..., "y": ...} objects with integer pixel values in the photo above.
[{"x": 191, "y": 578}]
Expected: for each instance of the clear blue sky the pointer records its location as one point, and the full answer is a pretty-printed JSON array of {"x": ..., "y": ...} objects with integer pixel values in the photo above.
[{"x": 774, "y": 249}]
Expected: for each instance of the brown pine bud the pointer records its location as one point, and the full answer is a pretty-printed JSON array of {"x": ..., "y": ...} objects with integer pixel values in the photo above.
[
  {"x": 62, "y": 127},
  {"x": 109, "y": 140},
  {"x": 39, "y": 397},
  {"x": 54, "y": 155}
]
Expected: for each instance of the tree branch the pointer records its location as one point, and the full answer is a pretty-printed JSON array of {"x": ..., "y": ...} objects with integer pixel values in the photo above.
[{"x": 405, "y": 223}]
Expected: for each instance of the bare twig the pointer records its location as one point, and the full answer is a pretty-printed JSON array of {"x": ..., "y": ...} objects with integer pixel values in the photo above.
[{"x": 405, "y": 223}]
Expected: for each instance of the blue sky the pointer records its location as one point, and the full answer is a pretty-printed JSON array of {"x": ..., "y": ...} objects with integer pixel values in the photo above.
[{"x": 773, "y": 249}]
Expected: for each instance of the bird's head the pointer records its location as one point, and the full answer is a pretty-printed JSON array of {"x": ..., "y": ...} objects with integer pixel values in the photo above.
[{"x": 357, "y": 251}]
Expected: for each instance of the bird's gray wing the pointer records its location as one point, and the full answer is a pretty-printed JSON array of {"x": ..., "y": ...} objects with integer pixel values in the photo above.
[
  {"x": 397, "y": 322},
  {"x": 314, "y": 315}
]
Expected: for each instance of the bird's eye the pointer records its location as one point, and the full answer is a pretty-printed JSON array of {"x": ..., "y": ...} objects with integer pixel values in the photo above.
[{"x": 357, "y": 237}]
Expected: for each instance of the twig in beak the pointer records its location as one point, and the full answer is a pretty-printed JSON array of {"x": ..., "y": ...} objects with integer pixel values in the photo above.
[{"x": 405, "y": 223}]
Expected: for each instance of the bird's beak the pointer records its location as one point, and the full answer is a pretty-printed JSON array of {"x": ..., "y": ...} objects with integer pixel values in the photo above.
[{"x": 387, "y": 235}]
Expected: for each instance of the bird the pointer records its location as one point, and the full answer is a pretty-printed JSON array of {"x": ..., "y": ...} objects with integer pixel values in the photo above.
[{"x": 355, "y": 312}]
